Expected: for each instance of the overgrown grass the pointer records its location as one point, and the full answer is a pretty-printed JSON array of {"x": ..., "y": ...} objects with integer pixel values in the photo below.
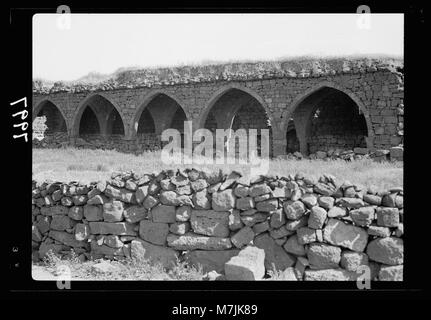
[
  {"x": 87, "y": 165},
  {"x": 126, "y": 269}
]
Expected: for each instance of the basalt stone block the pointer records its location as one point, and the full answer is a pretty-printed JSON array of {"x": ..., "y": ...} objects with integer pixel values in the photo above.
[
  {"x": 243, "y": 237},
  {"x": 241, "y": 191},
  {"x": 93, "y": 213},
  {"x": 113, "y": 211},
  {"x": 253, "y": 219},
  {"x": 335, "y": 212},
  {"x": 153, "y": 232},
  {"x": 348, "y": 236},
  {"x": 245, "y": 203},
  {"x": 267, "y": 205},
  {"x": 309, "y": 199},
  {"x": 201, "y": 200},
  {"x": 278, "y": 218},
  {"x": 61, "y": 223},
  {"x": 293, "y": 225},
  {"x": 294, "y": 210},
  {"x": 223, "y": 200},
  {"x": 192, "y": 241},
  {"x": 141, "y": 193},
  {"x": 179, "y": 228},
  {"x": 259, "y": 189},
  {"x": 388, "y": 250},
  {"x": 134, "y": 214},
  {"x": 183, "y": 213},
  {"x": 329, "y": 275},
  {"x": 120, "y": 194},
  {"x": 210, "y": 223},
  {"x": 317, "y": 217},
  {"x": 323, "y": 256},
  {"x": 362, "y": 216},
  {"x": 306, "y": 235},
  {"x": 388, "y": 217},
  {"x": 326, "y": 202},
  {"x": 115, "y": 228},
  {"x": 164, "y": 214},
  {"x": 293, "y": 246},
  {"x": 66, "y": 238},
  {"x": 235, "y": 222},
  {"x": 353, "y": 203}
]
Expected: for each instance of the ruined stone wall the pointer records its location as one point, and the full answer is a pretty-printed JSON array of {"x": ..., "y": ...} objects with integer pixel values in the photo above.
[
  {"x": 310, "y": 229},
  {"x": 378, "y": 94}
]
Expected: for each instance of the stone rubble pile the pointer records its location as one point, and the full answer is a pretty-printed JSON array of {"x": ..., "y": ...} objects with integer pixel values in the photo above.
[
  {"x": 393, "y": 154},
  {"x": 238, "y": 227}
]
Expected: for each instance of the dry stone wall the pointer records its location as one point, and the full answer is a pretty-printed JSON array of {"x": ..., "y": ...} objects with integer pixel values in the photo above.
[{"x": 239, "y": 227}]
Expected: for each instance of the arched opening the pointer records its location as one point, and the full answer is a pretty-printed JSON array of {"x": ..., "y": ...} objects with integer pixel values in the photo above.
[
  {"x": 236, "y": 109},
  {"x": 98, "y": 118},
  {"x": 48, "y": 119},
  {"x": 160, "y": 113},
  {"x": 292, "y": 142},
  {"x": 89, "y": 123},
  {"x": 329, "y": 119}
]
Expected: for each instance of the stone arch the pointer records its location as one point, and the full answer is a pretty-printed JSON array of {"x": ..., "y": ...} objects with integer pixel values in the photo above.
[
  {"x": 56, "y": 121},
  {"x": 223, "y": 90},
  {"x": 164, "y": 109},
  {"x": 104, "y": 109},
  {"x": 236, "y": 107},
  {"x": 305, "y": 105}
]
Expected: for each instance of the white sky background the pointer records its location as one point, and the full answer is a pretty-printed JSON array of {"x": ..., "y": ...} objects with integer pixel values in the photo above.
[{"x": 104, "y": 43}]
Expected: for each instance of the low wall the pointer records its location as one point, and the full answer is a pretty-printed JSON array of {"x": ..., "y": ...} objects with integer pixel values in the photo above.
[{"x": 310, "y": 229}]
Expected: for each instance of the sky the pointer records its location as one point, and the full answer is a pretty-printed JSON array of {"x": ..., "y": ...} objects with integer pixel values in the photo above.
[{"x": 69, "y": 49}]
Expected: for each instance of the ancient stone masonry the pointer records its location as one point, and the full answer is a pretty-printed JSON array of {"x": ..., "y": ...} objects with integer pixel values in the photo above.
[
  {"x": 239, "y": 227},
  {"x": 308, "y": 106}
]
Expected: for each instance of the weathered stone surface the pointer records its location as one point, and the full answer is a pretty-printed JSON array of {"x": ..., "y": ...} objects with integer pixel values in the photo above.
[
  {"x": 150, "y": 202},
  {"x": 163, "y": 213},
  {"x": 210, "y": 260},
  {"x": 183, "y": 213},
  {"x": 323, "y": 256},
  {"x": 199, "y": 185},
  {"x": 141, "y": 193},
  {"x": 389, "y": 250},
  {"x": 116, "y": 228},
  {"x": 362, "y": 216},
  {"x": 235, "y": 222},
  {"x": 388, "y": 200},
  {"x": 192, "y": 241},
  {"x": 306, "y": 235},
  {"x": 278, "y": 218},
  {"x": 293, "y": 225},
  {"x": 267, "y": 205},
  {"x": 134, "y": 214},
  {"x": 61, "y": 223},
  {"x": 280, "y": 233},
  {"x": 179, "y": 228},
  {"x": 372, "y": 199},
  {"x": 379, "y": 231},
  {"x": 329, "y": 275},
  {"x": 317, "y": 217},
  {"x": 275, "y": 256},
  {"x": 223, "y": 200},
  {"x": 282, "y": 192},
  {"x": 243, "y": 237},
  {"x": 293, "y": 246},
  {"x": 351, "y": 260},
  {"x": 43, "y": 224},
  {"x": 323, "y": 189},
  {"x": 335, "y": 212},
  {"x": 113, "y": 211},
  {"x": 391, "y": 273},
  {"x": 154, "y": 232},
  {"x": 261, "y": 227},
  {"x": 247, "y": 265},
  {"x": 230, "y": 180},
  {"x": 82, "y": 232},
  {"x": 93, "y": 213},
  {"x": 241, "y": 191},
  {"x": 35, "y": 234},
  {"x": 210, "y": 223},
  {"x": 253, "y": 219},
  {"x": 201, "y": 200},
  {"x": 112, "y": 241},
  {"x": 259, "y": 189},
  {"x": 245, "y": 203},
  {"x": 309, "y": 199},
  {"x": 388, "y": 217},
  {"x": 294, "y": 210},
  {"x": 141, "y": 249},
  {"x": 353, "y": 203},
  {"x": 120, "y": 194},
  {"x": 326, "y": 202},
  {"x": 341, "y": 234}
]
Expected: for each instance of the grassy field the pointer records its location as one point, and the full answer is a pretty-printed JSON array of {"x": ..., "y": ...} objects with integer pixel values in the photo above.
[{"x": 87, "y": 165}]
